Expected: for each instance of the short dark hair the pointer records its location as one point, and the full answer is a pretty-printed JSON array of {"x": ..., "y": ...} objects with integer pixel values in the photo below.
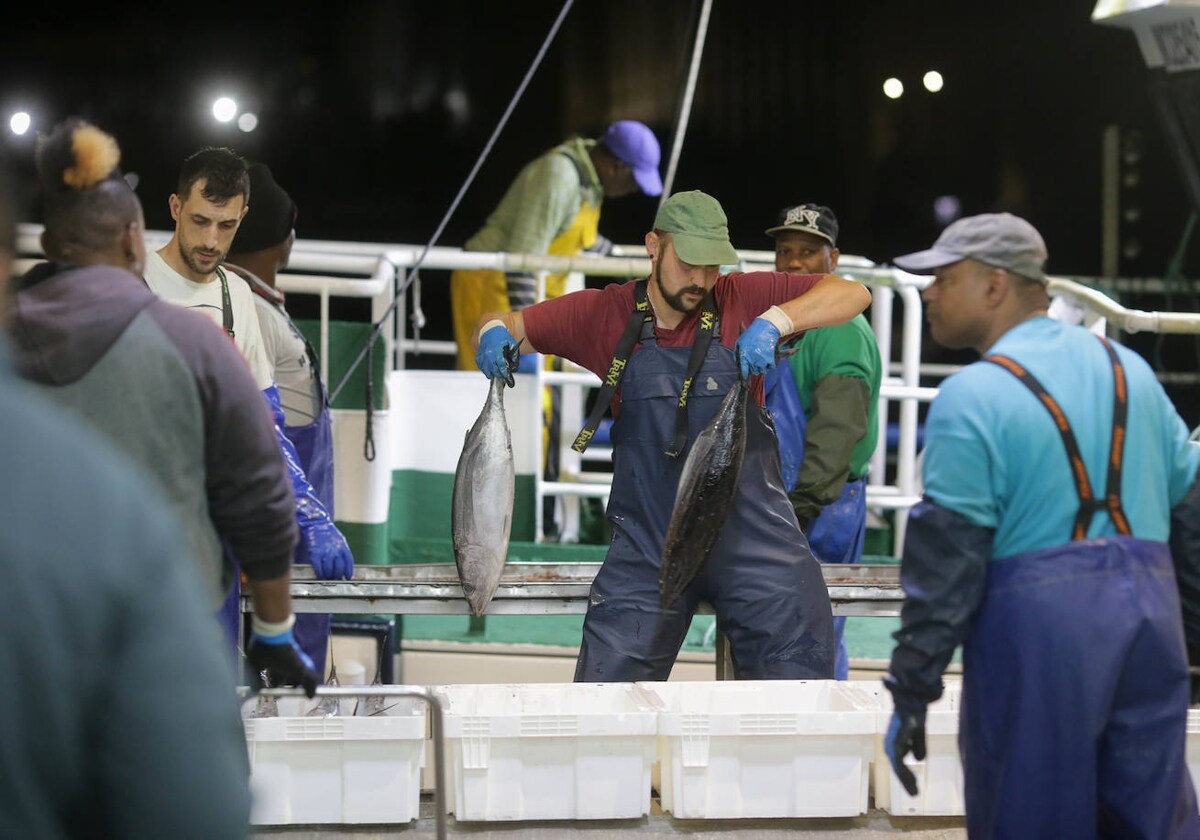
[
  {"x": 86, "y": 203},
  {"x": 223, "y": 171}
]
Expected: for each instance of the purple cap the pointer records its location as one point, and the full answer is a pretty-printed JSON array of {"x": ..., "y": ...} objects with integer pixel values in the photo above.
[{"x": 635, "y": 144}]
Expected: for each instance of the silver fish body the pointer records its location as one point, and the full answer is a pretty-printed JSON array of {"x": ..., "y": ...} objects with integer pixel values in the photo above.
[
  {"x": 706, "y": 492},
  {"x": 481, "y": 514}
]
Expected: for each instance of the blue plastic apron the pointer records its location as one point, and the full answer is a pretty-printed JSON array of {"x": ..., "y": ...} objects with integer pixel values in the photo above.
[
  {"x": 1108, "y": 758},
  {"x": 767, "y": 589},
  {"x": 839, "y": 531},
  {"x": 314, "y": 447}
]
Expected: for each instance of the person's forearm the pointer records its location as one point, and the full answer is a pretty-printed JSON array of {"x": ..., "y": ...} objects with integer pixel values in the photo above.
[
  {"x": 837, "y": 422},
  {"x": 522, "y": 289},
  {"x": 272, "y": 597},
  {"x": 833, "y": 300},
  {"x": 943, "y": 572},
  {"x": 1185, "y": 552}
]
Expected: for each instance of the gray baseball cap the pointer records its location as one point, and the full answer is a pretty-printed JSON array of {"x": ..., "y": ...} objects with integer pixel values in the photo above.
[{"x": 998, "y": 239}]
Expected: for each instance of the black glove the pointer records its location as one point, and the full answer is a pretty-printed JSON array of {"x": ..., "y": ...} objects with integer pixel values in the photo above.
[
  {"x": 282, "y": 662},
  {"x": 906, "y": 734}
]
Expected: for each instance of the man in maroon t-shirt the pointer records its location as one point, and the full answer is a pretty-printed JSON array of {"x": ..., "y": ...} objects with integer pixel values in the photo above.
[{"x": 769, "y": 596}]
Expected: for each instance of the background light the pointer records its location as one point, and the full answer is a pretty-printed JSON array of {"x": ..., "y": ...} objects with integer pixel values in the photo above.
[
  {"x": 947, "y": 208},
  {"x": 19, "y": 122},
  {"x": 893, "y": 88},
  {"x": 247, "y": 122},
  {"x": 224, "y": 109},
  {"x": 933, "y": 81}
]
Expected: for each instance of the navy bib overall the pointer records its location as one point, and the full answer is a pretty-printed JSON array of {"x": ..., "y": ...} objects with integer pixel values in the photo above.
[{"x": 761, "y": 578}]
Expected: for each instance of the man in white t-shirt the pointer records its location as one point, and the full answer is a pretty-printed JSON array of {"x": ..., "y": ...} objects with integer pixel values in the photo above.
[{"x": 211, "y": 198}]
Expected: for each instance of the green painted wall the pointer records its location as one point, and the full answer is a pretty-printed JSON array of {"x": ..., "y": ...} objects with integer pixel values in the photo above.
[
  {"x": 346, "y": 340},
  {"x": 369, "y": 542},
  {"x": 420, "y": 505}
]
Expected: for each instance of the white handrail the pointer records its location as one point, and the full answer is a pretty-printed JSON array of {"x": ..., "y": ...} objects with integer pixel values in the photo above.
[{"x": 369, "y": 270}]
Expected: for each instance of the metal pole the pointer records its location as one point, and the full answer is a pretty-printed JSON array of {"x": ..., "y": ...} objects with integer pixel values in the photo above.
[
  {"x": 1110, "y": 200},
  {"x": 686, "y": 109}
]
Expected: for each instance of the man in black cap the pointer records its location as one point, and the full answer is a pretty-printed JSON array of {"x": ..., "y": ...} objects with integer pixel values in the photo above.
[
  {"x": 260, "y": 249},
  {"x": 824, "y": 404}
]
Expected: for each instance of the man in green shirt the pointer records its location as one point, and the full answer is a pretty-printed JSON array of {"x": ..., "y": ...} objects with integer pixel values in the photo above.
[
  {"x": 825, "y": 411},
  {"x": 552, "y": 207}
]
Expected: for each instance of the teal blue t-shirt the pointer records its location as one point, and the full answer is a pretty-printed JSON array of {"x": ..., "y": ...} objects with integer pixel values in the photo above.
[{"x": 994, "y": 455}]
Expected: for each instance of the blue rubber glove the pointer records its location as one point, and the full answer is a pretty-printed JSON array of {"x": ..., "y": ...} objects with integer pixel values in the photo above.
[
  {"x": 278, "y": 658},
  {"x": 321, "y": 543},
  {"x": 905, "y": 734},
  {"x": 755, "y": 347},
  {"x": 497, "y": 355}
]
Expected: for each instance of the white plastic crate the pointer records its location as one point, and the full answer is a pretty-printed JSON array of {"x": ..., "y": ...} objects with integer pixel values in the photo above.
[
  {"x": 1192, "y": 751},
  {"x": 554, "y": 751},
  {"x": 342, "y": 769},
  {"x": 778, "y": 748},
  {"x": 939, "y": 777}
]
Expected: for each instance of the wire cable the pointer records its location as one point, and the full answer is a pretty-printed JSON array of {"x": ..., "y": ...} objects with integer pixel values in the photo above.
[{"x": 412, "y": 273}]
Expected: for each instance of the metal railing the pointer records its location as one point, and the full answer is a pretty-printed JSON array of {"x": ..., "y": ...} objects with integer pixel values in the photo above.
[{"x": 330, "y": 269}]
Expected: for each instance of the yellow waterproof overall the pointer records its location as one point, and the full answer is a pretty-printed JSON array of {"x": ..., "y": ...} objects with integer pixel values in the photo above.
[{"x": 476, "y": 291}]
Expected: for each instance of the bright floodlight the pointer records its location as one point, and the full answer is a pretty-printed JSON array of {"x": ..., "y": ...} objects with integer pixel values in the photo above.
[
  {"x": 947, "y": 208},
  {"x": 247, "y": 122},
  {"x": 224, "y": 109},
  {"x": 933, "y": 81},
  {"x": 19, "y": 122},
  {"x": 893, "y": 88}
]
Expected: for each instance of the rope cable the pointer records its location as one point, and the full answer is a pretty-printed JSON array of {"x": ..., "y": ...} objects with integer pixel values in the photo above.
[{"x": 378, "y": 327}]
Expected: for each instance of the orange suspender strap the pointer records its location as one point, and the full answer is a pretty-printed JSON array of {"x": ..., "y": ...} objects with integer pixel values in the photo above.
[{"x": 1088, "y": 504}]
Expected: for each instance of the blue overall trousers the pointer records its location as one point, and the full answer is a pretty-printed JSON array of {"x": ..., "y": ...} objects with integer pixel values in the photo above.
[
  {"x": 838, "y": 533},
  {"x": 314, "y": 446},
  {"x": 763, "y": 582},
  {"x": 1056, "y": 744}
]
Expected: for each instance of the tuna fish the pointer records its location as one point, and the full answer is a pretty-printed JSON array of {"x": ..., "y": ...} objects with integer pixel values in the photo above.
[
  {"x": 706, "y": 491},
  {"x": 481, "y": 514}
]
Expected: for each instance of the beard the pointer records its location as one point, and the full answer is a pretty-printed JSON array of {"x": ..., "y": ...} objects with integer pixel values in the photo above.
[
  {"x": 675, "y": 300},
  {"x": 192, "y": 259}
]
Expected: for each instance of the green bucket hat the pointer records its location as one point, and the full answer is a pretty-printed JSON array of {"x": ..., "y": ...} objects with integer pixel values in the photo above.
[{"x": 698, "y": 228}]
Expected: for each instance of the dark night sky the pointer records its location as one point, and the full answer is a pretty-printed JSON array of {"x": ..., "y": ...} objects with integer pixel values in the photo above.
[{"x": 373, "y": 112}]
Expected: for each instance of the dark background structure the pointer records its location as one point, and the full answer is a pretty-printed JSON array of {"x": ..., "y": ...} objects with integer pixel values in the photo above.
[{"x": 373, "y": 111}]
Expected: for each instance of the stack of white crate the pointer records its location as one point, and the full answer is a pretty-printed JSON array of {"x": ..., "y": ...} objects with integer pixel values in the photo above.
[{"x": 579, "y": 751}]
